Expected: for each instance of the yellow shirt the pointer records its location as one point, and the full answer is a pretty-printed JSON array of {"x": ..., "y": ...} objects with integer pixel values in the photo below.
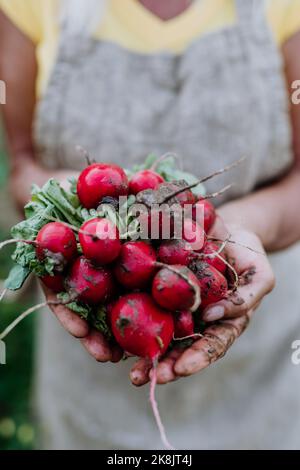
[{"x": 130, "y": 24}]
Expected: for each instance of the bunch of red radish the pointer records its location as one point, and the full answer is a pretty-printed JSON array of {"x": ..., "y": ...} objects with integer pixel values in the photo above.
[{"x": 154, "y": 291}]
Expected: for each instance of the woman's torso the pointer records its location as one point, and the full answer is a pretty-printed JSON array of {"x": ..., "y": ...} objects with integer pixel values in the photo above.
[
  {"x": 131, "y": 26},
  {"x": 222, "y": 98}
]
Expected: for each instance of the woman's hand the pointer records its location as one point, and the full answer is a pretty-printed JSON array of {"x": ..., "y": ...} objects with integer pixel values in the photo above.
[
  {"x": 93, "y": 341},
  {"x": 228, "y": 318},
  {"x": 63, "y": 177},
  {"x": 27, "y": 171}
]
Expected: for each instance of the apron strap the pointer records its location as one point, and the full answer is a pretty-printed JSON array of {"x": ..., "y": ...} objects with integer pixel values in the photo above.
[
  {"x": 78, "y": 21},
  {"x": 81, "y": 17},
  {"x": 251, "y": 12}
]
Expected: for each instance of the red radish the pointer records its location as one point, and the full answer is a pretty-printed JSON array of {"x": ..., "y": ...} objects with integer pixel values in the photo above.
[
  {"x": 207, "y": 210},
  {"x": 58, "y": 242},
  {"x": 136, "y": 266},
  {"x": 175, "y": 252},
  {"x": 146, "y": 179},
  {"x": 141, "y": 327},
  {"x": 209, "y": 249},
  {"x": 101, "y": 180},
  {"x": 56, "y": 283},
  {"x": 180, "y": 252},
  {"x": 194, "y": 234},
  {"x": 99, "y": 240},
  {"x": 92, "y": 285},
  {"x": 213, "y": 284},
  {"x": 176, "y": 288},
  {"x": 183, "y": 324}
]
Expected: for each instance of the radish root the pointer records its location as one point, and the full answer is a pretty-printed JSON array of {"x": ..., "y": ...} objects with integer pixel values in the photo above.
[
  {"x": 155, "y": 410},
  {"x": 85, "y": 154},
  {"x": 218, "y": 193},
  {"x": 236, "y": 276},
  {"x": 14, "y": 240},
  {"x": 162, "y": 158},
  {"x": 217, "y": 254},
  {"x": 194, "y": 335},
  {"x": 206, "y": 178},
  {"x": 214, "y": 239},
  {"x": 30, "y": 310},
  {"x": 3, "y": 294},
  {"x": 223, "y": 170},
  {"x": 21, "y": 318}
]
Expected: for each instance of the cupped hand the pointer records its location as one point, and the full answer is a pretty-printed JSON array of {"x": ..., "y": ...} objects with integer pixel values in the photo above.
[
  {"x": 227, "y": 319},
  {"x": 93, "y": 341}
]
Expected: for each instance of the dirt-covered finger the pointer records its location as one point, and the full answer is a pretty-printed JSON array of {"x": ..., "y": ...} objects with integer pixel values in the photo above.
[
  {"x": 245, "y": 298},
  {"x": 216, "y": 341},
  {"x": 97, "y": 346},
  {"x": 70, "y": 321},
  {"x": 117, "y": 353},
  {"x": 165, "y": 368},
  {"x": 139, "y": 374}
]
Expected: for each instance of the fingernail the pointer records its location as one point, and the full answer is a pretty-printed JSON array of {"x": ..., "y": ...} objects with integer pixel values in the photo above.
[
  {"x": 135, "y": 377},
  {"x": 214, "y": 313}
]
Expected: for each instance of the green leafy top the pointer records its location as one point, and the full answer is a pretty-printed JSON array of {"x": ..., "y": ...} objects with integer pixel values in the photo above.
[{"x": 47, "y": 203}]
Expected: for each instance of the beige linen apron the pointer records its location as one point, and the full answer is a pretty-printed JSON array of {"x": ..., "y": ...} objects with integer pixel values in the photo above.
[{"x": 223, "y": 98}]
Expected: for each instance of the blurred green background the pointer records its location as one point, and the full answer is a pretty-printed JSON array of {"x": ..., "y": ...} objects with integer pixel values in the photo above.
[{"x": 16, "y": 388}]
